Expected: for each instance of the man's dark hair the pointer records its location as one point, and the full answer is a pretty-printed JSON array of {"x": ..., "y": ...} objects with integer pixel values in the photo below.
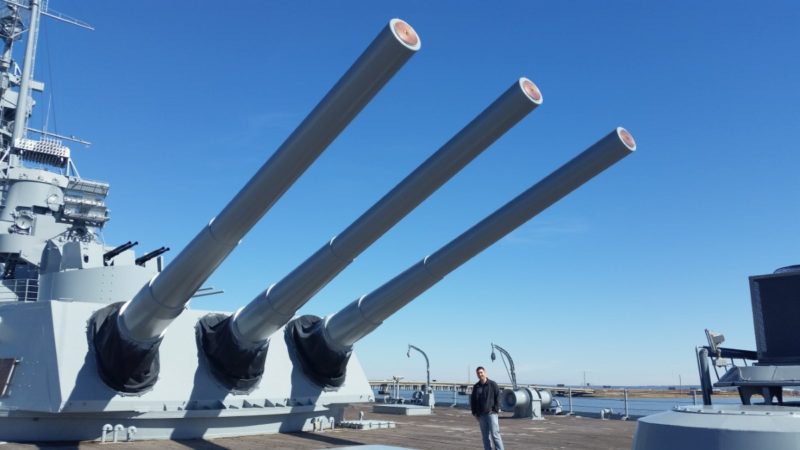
[{"x": 480, "y": 368}]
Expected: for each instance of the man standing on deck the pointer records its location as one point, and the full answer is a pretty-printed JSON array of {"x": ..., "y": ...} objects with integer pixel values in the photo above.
[{"x": 485, "y": 404}]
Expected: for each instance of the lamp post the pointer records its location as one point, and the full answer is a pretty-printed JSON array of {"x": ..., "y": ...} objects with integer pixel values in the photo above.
[
  {"x": 427, "y": 398},
  {"x": 512, "y": 374}
]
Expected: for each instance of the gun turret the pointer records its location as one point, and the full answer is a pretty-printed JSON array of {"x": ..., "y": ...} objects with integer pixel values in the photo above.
[
  {"x": 132, "y": 332},
  {"x": 236, "y": 347},
  {"x": 148, "y": 256},
  {"x": 109, "y": 255},
  {"x": 323, "y": 346}
]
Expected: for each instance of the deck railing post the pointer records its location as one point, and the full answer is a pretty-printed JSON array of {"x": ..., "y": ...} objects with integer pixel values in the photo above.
[
  {"x": 569, "y": 396},
  {"x": 625, "y": 393}
]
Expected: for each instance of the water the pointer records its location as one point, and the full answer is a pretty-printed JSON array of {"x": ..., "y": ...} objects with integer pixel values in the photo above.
[
  {"x": 636, "y": 406},
  {"x": 585, "y": 405}
]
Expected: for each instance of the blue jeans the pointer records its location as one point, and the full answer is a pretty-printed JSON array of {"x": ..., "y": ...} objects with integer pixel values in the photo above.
[{"x": 490, "y": 430}]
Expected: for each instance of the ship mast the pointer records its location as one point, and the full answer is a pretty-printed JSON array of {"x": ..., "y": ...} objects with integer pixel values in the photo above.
[
  {"x": 21, "y": 116},
  {"x": 48, "y": 149}
]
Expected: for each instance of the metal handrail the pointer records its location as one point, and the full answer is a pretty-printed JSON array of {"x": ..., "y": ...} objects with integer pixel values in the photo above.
[{"x": 22, "y": 289}]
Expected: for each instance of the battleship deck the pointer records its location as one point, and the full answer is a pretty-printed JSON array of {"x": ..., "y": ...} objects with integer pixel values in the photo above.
[{"x": 446, "y": 429}]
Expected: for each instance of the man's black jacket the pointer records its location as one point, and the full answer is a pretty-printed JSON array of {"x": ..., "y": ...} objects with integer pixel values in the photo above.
[{"x": 485, "y": 398}]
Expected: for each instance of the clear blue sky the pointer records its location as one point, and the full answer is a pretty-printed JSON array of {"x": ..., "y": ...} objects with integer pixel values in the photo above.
[{"x": 184, "y": 100}]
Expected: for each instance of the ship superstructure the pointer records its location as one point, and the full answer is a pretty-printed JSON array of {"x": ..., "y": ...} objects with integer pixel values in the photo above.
[{"x": 50, "y": 217}]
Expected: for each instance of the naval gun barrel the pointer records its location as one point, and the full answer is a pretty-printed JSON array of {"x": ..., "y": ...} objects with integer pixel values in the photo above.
[
  {"x": 109, "y": 255},
  {"x": 324, "y": 345},
  {"x": 365, "y": 314},
  {"x": 148, "y": 256},
  {"x": 236, "y": 346},
  {"x": 148, "y": 314},
  {"x": 126, "y": 338},
  {"x": 274, "y": 307}
]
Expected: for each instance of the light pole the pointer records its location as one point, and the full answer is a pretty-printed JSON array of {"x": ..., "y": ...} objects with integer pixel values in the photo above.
[{"x": 427, "y": 398}]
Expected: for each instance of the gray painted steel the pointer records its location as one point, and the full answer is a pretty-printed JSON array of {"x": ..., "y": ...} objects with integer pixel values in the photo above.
[
  {"x": 148, "y": 314},
  {"x": 526, "y": 402},
  {"x": 428, "y": 397},
  {"x": 56, "y": 379},
  {"x": 24, "y": 426},
  {"x": 403, "y": 410},
  {"x": 771, "y": 424},
  {"x": 23, "y": 103},
  {"x": 720, "y": 427},
  {"x": 512, "y": 373},
  {"x": 276, "y": 305},
  {"x": 360, "y": 317},
  {"x": 761, "y": 376},
  {"x": 775, "y": 305}
]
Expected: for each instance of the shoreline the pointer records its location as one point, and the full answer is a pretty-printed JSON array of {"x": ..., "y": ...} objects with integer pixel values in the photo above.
[
  {"x": 655, "y": 393},
  {"x": 387, "y": 387}
]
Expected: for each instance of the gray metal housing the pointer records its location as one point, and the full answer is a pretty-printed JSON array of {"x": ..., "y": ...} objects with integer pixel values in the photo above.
[
  {"x": 772, "y": 424},
  {"x": 56, "y": 386}
]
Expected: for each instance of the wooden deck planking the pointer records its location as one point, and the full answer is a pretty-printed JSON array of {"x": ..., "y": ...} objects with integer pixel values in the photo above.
[{"x": 446, "y": 429}]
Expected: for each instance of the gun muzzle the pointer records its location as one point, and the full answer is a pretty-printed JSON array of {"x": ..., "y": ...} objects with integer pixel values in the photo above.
[{"x": 109, "y": 255}]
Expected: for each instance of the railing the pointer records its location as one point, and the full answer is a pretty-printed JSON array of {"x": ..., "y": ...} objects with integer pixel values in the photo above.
[
  {"x": 24, "y": 290},
  {"x": 466, "y": 388},
  {"x": 624, "y": 403},
  {"x": 616, "y": 403}
]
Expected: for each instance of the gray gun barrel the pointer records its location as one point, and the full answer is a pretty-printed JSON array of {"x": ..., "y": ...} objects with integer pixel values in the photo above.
[
  {"x": 362, "y": 316},
  {"x": 148, "y": 314},
  {"x": 111, "y": 254},
  {"x": 126, "y": 338},
  {"x": 274, "y": 307},
  {"x": 140, "y": 261},
  {"x": 323, "y": 346}
]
